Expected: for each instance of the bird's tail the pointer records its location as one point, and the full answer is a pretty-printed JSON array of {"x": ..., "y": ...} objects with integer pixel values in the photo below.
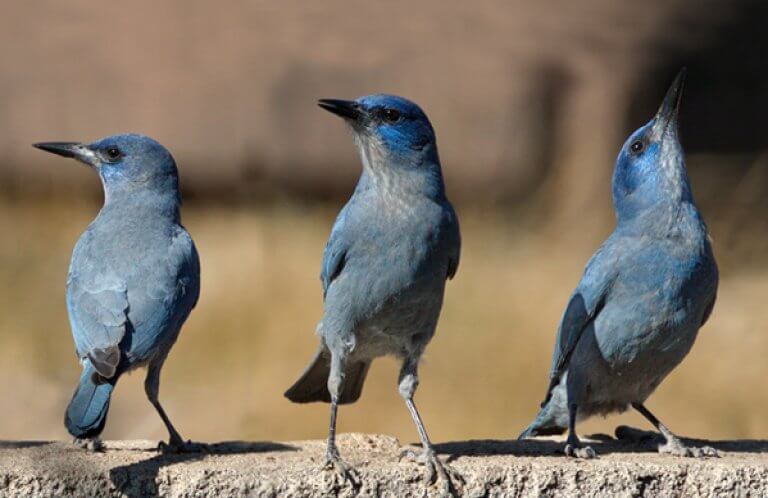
[
  {"x": 313, "y": 383},
  {"x": 87, "y": 412},
  {"x": 552, "y": 418}
]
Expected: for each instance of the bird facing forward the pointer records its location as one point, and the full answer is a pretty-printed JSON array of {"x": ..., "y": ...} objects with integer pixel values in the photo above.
[
  {"x": 643, "y": 297},
  {"x": 391, "y": 250}
]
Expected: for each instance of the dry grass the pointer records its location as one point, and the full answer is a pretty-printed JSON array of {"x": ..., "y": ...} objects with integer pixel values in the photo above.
[{"x": 253, "y": 332}]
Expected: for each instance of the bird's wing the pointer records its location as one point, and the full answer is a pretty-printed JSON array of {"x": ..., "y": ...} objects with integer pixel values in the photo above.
[
  {"x": 99, "y": 315},
  {"x": 335, "y": 252},
  {"x": 454, "y": 241},
  {"x": 583, "y": 307},
  {"x": 104, "y": 307},
  {"x": 167, "y": 297}
]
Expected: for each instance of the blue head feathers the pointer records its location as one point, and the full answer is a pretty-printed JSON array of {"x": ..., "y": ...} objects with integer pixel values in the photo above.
[
  {"x": 650, "y": 170},
  {"x": 124, "y": 162},
  {"x": 396, "y": 125}
]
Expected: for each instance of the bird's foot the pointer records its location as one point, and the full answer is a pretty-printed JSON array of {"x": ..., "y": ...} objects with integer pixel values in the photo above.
[
  {"x": 178, "y": 446},
  {"x": 576, "y": 450},
  {"x": 93, "y": 444},
  {"x": 436, "y": 472},
  {"x": 340, "y": 468},
  {"x": 675, "y": 447}
]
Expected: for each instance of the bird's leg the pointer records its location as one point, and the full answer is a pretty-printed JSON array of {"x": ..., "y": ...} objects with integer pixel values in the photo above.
[
  {"x": 673, "y": 445},
  {"x": 573, "y": 447},
  {"x": 152, "y": 387},
  {"x": 333, "y": 460},
  {"x": 435, "y": 469}
]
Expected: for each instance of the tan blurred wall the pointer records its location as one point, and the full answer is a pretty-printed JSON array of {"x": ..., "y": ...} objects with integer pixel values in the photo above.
[{"x": 513, "y": 88}]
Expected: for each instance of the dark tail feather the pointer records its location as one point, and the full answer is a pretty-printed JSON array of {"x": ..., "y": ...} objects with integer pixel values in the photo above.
[
  {"x": 313, "y": 384},
  {"x": 551, "y": 419},
  {"x": 533, "y": 430},
  {"x": 87, "y": 412}
]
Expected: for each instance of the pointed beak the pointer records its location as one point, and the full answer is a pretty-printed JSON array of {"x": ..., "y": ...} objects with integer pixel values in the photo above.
[
  {"x": 666, "y": 116},
  {"x": 74, "y": 150},
  {"x": 347, "y": 109}
]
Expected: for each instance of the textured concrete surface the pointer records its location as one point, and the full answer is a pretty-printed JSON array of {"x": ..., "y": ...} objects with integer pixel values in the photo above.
[{"x": 488, "y": 468}]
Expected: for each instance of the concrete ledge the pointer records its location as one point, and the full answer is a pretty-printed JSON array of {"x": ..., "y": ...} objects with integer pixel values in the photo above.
[{"x": 490, "y": 468}]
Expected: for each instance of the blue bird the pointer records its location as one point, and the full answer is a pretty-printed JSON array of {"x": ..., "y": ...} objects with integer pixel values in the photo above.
[
  {"x": 133, "y": 279},
  {"x": 391, "y": 250},
  {"x": 643, "y": 297}
]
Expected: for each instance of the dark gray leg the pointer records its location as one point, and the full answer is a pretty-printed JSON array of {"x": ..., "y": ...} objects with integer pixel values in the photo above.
[
  {"x": 673, "y": 445},
  {"x": 333, "y": 460},
  {"x": 152, "y": 388},
  {"x": 409, "y": 381},
  {"x": 573, "y": 447}
]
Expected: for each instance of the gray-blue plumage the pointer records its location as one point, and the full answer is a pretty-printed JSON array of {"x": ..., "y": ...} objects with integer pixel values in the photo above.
[
  {"x": 644, "y": 294},
  {"x": 390, "y": 252},
  {"x": 134, "y": 275}
]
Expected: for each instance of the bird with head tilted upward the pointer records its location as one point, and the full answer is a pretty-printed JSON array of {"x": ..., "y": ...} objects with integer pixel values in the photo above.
[
  {"x": 643, "y": 297},
  {"x": 133, "y": 279},
  {"x": 385, "y": 265}
]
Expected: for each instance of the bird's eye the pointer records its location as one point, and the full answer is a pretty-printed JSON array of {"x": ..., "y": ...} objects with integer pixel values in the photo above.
[
  {"x": 637, "y": 146},
  {"x": 113, "y": 153},
  {"x": 390, "y": 115}
]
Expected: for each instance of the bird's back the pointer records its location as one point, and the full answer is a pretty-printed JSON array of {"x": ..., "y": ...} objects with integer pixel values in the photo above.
[{"x": 151, "y": 262}]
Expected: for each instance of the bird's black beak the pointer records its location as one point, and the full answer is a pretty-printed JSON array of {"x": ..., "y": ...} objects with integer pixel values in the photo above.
[
  {"x": 667, "y": 113},
  {"x": 347, "y": 109},
  {"x": 74, "y": 150}
]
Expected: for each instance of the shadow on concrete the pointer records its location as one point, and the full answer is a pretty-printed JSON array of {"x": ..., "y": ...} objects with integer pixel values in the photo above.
[
  {"x": 17, "y": 445},
  {"x": 603, "y": 444},
  {"x": 139, "y": 479}
]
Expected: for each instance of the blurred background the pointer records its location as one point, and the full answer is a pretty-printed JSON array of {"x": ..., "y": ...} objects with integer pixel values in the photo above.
[{"x": 531, "y": 102}]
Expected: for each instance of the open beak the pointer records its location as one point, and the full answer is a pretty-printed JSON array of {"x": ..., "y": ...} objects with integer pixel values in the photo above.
[
  {"x": 347, "y": 109},
  {"x": 74, "y": 150},
  {"x": 666, "y": 116}
]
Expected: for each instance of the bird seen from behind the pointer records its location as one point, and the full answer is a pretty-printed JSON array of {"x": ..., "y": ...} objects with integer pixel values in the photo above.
[{"x": 133, "y": 279}]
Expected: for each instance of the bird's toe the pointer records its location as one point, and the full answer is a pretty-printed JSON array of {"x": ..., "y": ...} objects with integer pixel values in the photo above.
[
  {"x": 408, "y": 454},
  {"x": 677, "y": 448},
  {"x": 438, "y": 473},
  {"x": 581, "y": 452},
  {"x": 341, "y": 469},
  {"x": 90, "y": 444}
]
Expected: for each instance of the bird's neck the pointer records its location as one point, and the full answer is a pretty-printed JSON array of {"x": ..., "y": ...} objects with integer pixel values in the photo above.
[
  {"x": 680, "y": 219},
  {"x": 150, "y": 203},
  {"x": 400, "y": 176}
]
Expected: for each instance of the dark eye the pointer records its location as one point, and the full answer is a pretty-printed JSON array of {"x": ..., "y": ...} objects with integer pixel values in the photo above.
[
  {"x": 637, "y": 146},
  {"x": 113, "y": 153},
  {"x": 390, "y": 115}
]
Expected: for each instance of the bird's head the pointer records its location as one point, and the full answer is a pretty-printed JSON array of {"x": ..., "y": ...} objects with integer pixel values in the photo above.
[
  {"x": 392, "y": 127},
  {"x": 650, "y": 170},
  {"x": 124, "y": 162}
]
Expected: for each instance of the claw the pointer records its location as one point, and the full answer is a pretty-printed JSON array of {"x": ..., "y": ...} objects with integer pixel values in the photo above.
[
  {"x": 435, "y": 471},
  {"x": 676, "y": 447},
  {"x": 578, "y": 451},
  {"x": 340, "y": 468},
  {"x": 409, "y": 455},
  {"x": 94, "y": 445}
]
